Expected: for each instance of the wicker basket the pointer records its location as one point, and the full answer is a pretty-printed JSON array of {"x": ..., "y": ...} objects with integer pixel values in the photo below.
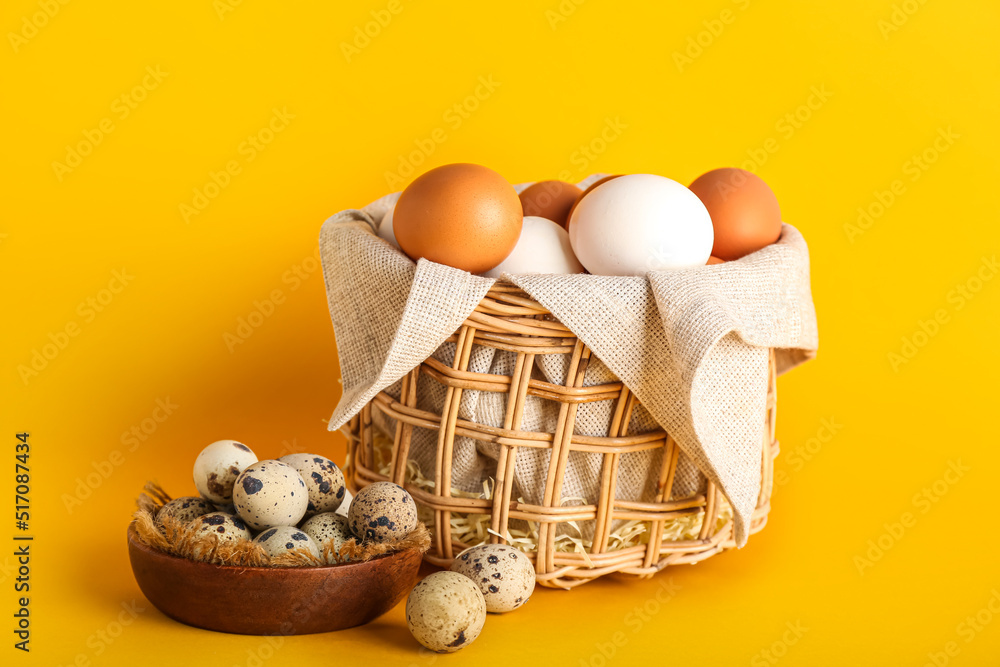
[{"x": 508, "y": 319}]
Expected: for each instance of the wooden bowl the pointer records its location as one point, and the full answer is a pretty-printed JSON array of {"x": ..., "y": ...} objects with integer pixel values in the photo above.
[{"x": 271, "y": 601}]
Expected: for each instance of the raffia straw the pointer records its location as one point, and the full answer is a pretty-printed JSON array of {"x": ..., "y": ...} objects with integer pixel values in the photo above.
[
  {"x": 474, "y": 528},
  {"x": 185, "y": 541}
]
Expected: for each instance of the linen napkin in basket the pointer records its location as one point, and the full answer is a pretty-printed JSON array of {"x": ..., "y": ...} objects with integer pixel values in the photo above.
[{"x": 692, "y": 345}]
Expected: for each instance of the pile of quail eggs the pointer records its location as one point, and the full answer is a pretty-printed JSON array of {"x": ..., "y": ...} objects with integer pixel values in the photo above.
[
  {"x": 294, "y": 502},
  {"x": 446, "y": 611}
]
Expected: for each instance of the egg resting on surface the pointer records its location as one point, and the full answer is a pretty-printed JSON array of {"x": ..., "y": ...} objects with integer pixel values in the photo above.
[
  {"x": 550, "y": 199},
  {"x": 381, "y": 512},
  {"x": 445, "y": 612},
  {"x": 324, "y": 481},
  {"x": 185, "y": 509},
  {"x": 504, "y": 575},
  {"x": 282, "y": 539},
  {"x": 218, "y": 466},
  {"x": 328, "y": 526},
  {"x": 543, "y": 247},
  {"x": 226, "y": 527},
  {"x": 270, "y": 493},
  {"x": 639, "y": 223},
  {"x": 744, "y": 210},
  {"x": 462, "y": 215}
]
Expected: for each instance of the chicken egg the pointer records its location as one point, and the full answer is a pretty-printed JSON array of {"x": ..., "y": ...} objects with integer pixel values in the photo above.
[
  {"x": 543, "y": 247},
  {"x": 550, "y": 199},
  {"x": 639, "y": 223},
  {"x": 744, "y": 210},
  {"x": 462, "y": 215}
]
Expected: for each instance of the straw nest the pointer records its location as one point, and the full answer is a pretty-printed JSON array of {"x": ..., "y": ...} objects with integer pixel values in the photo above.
[{"x": 182, "y": 540}]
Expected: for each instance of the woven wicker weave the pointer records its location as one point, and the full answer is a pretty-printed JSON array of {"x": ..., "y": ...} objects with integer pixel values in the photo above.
[{"x": 508, "y": 319}]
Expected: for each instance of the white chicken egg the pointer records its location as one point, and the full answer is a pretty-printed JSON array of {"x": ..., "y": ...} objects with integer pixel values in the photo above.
[
  {"x": 638, "y": 223},
  {"x": 542, "y": 247},
  {"x": 385, "y": 231},
  {"x": 270, "y": 493},
  {"x": 218, "y": 466}
]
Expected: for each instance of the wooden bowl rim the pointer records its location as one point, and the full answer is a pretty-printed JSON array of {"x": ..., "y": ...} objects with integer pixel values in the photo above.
[{"x": 133, "y": 539}]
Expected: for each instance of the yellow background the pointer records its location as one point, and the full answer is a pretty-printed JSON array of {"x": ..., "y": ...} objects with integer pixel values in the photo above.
[{"x": 893, "y": 74}]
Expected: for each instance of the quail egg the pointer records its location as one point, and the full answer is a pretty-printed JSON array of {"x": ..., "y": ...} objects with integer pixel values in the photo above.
[
  {"x": 382, "y": 512},
  {"x": 445, "y": 612},
  {"x": 226, "y": 527},
  {"x": 328, "y": 526},
  {"x": 270, "y": 493},
  {"x": 218, "y": 466},
  {"x": 185, "y": 510},
  {"x": 282, "y": 539},
  {"x": 323, "y": 479},
  {"x": 504, "y": 575}
]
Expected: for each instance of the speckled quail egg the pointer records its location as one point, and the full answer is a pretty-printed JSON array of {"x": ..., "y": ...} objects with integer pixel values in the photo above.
[
  {"x": 382, "y": 512},
  {"x": 282, "y": 539},
  {"x": 218, "y": 466},
  {"x": 185, "y": 510},
  {"x": 445, "y": 612},
  {"x": 323, "y": 479},
  {"x": 226, "y": 527},
  {"x": 504, "y": 575},
  {"x": 270, "y": 493},
  {"x": 328, "y": 526}
]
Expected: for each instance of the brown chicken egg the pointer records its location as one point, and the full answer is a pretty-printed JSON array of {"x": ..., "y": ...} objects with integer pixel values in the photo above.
[
  {"x": 744, "y": 210},
  {"x": 462, "y": 215},
  {"x": 715, "y": 260},
  {"x": 551, "y": 200}
]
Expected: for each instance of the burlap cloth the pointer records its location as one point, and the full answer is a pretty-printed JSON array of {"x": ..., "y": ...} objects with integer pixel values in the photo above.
[{"x": 693, "y": 345}]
